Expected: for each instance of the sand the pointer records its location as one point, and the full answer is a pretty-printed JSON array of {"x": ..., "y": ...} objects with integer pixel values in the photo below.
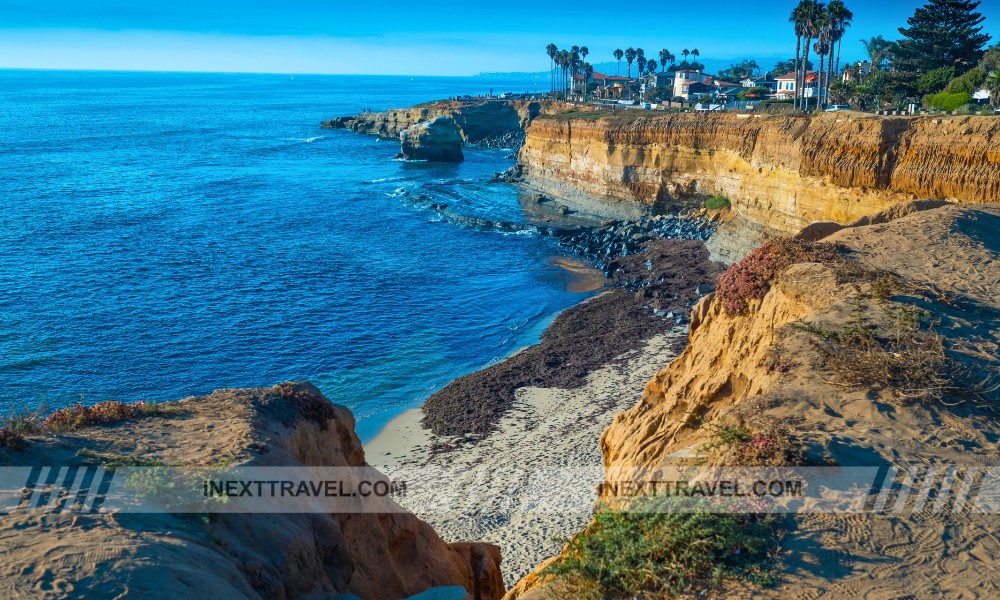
[{"x": 546, "y": 428}]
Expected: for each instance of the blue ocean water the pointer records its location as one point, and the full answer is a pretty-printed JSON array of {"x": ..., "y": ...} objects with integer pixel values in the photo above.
[{"x": 164, "y": 235}]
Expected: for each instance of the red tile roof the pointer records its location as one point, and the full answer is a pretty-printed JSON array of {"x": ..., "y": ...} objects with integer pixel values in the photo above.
[{"x": 792, "y": 76}]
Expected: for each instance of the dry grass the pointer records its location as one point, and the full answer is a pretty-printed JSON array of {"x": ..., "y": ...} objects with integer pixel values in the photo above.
[{"x": 899, "y": 351}]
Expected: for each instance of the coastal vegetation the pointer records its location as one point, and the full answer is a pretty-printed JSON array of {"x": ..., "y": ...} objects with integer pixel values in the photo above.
[
  {"x": 751, "y": 278},
  {"x": 666, "y": 545},
  {"x": 717, "y": 203}
]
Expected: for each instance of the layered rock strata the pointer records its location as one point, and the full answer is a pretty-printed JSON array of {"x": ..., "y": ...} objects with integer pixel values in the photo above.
[
  {"x": 437, "y": 140},
  {"x": 780, "y": 173}
]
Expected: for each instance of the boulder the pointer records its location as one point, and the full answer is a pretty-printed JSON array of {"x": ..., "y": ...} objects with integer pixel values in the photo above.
[{"x": 437, "y": 140}]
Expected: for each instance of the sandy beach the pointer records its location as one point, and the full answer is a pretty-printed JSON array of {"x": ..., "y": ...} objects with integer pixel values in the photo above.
[{"x": 547, "y": 428}]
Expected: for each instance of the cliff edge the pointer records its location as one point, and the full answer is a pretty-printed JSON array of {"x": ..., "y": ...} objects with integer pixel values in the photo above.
[
  {"x": 228, "y": 555},
  {"x": 873, "y": 347},
  {"x": 780, "y": 173}
]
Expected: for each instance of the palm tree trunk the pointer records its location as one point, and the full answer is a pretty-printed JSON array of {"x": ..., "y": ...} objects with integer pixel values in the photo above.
[
  {"x": 805, "y": 73},
  {"x": 798, "y": 64},
  {"x": 830, "y": 72},
  {"x": 840, "y": 44},
  {"x": 819, "y": 82}
]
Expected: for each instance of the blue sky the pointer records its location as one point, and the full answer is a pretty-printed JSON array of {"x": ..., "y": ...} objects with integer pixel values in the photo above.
[{"x": 445, "y": 37}]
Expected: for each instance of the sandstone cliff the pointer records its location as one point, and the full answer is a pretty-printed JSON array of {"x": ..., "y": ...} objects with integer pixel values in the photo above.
[
  {"x": 780, "y": 173},
  {"x": 487, "y": 122},
  {"x": 437, "y": 140},
  {"x": 370, "y": 556},
  {"x": 878, "y": 352}
]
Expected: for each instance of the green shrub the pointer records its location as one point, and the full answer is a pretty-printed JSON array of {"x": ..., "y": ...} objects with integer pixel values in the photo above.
[
  {"x": 717, "y": 203},
  {"x": 666, "y": 545},
  {"x": 936, "y": 80},
  {"x": 968, "y": 83},
  {"x": 949, "y": 102},
  {"x": 968, "y": 109}
]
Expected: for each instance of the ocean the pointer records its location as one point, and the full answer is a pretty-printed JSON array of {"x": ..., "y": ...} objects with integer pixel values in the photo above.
[{"x": 163, "y": 235}]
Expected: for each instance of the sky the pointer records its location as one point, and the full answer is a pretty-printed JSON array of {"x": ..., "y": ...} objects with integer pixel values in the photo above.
[{"x": 444, "y": 37}]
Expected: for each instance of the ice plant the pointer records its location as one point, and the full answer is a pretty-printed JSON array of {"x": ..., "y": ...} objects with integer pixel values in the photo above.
[
  {"x": 78, "y": 415},
  {"x": 751, "y": 278}
]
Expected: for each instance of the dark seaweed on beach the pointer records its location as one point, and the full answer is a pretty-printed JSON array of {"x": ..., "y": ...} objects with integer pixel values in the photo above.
[{"x": 652, "y": 293}]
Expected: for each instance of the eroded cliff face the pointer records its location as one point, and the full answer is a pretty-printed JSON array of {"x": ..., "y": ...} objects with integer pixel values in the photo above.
[
  {"x": 479, "y": 121},
  {"x": 780, "y": 173},
  {"x": 386, "y": 556},
  {"x": 774, "y": 367}
]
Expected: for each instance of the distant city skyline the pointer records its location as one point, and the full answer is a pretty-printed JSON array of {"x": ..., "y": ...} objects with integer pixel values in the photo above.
[{"x": 399, "y": 38}]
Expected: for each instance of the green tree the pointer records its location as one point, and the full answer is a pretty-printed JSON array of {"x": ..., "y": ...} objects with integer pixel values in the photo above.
[
  {"x": 934, "y": 81},
  {"x": 588, "y": 71},
  {"x": 629, "y": 59},
  {"x": 686, "y": 54},
  {"x": 880, "y": 51},
  {"x": 841, "y": 18},
  {"x": 618, "y": 54},
  {"x": 942, "y": 33},
  {"x": 991, "y": 60},
  {"x": 552, "y": 50},
  {"x": 970, "y": 83},
  {"x": 665, "y": 58},
  {"x": 993, "y": 85},
  {"x": 695, "y": 54},
  {"x": 651, "y": 66},
  {"x": 805, "y": 17}
]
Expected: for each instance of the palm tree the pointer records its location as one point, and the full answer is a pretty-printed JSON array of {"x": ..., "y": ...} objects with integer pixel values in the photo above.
[
  {"x": 822, "y": 47},
  {"x": 686, "y": 54},
  {"x": 588, "y": 70},
  {"x": 812, "y": 27},
  {"x": 798, "y": 18},
  {"x": 664, "y": 58},
  {"x": 552, "y": 50},
  {"x": 879, "y": 51},
  {"x": 563, "y": 60},
  {"x": 695, "y": 54},
  {"x": 651, "y": 66},
  {"x": 629, "y": 59},
  {"x": 842, "y": 19},
  {"x": 618, "y": 54},
  {"x": 993, "y": 86},
  {"x": 584, "y": 51}
]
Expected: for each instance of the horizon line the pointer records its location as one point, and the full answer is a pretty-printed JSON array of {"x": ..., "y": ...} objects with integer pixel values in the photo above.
[{"x": 182, "y": 71}]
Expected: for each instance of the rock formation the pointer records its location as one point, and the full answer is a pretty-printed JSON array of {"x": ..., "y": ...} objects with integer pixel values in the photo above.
[
  {"x": 437, "y": 140},
  {"x": 787, "y": 363},
  {"x": 780, "y": 173},
  {"x": 371, "y": 556},
  {"x": 493, "y": 123}
]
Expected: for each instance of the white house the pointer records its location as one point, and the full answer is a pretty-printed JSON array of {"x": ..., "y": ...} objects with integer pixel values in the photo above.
[
  {"x": 684, "y": 79},
  {"x": 786, "y": 85}
]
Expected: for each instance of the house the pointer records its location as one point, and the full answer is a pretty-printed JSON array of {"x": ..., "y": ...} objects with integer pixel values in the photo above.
[
  {"x": 684, "y": 78},
  {"x": 657, "y": 80},
  {"x": 786, "y": 85},
  {"x": 760, "y": 81},
  {"x": 608, "y": 86},
  {"x": 857, "y": 72}
]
